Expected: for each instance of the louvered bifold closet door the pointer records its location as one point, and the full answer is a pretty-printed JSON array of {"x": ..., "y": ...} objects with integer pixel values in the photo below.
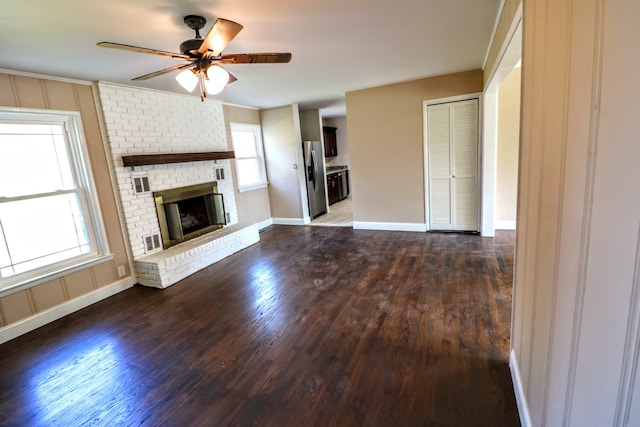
[
  {"x": 453, "y": 165},
  {"x": 465, "y": 165},
  {"x": 439, "y": 127}
]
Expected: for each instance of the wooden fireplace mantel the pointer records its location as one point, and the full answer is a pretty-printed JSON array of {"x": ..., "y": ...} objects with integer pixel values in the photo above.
[{"x": 162, "y": 159}]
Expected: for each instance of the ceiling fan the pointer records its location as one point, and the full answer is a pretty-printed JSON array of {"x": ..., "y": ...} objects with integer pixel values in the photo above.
[{"x": 204, "y": 56}]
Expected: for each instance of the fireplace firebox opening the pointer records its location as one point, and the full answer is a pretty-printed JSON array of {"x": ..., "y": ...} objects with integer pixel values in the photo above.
[{"x": 188, "y": 212}]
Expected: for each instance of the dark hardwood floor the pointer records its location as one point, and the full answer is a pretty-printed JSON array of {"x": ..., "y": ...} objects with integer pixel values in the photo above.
[{"x": 313, "y": 326}]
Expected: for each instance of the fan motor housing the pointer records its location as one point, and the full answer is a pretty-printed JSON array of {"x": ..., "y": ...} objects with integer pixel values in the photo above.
[{"x": 190, "y": 47}]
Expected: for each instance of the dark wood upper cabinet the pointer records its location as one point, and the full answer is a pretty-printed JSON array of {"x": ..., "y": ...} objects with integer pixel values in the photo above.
[{"x": 330, "y": 142}]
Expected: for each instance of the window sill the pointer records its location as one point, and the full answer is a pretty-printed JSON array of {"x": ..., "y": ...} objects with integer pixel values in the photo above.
[
  {"x": 22, "y": 283},
  {"x": 252, "y": 187}
]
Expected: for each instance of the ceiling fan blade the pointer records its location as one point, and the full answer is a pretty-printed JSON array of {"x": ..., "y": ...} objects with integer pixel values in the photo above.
[
  {"x": 164, "y": 71},
  {"x": 143, "y": 50},
  {"x": 220, "y": 35},
  {"x": 256, "y": 58}
]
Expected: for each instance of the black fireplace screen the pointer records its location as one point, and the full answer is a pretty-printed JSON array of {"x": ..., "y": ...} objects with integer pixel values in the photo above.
[{"x": 188, "y": 212}]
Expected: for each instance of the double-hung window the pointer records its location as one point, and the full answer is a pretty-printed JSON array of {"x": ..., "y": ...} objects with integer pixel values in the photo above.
[
  {"x": 49, "y": 217},
  {"x": 250, "y": 166}
]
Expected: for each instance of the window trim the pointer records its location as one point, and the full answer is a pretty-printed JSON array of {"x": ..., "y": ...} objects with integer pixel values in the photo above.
[
  {"x": 86, "y": 190},
  {"x": 257, "y": 131}
]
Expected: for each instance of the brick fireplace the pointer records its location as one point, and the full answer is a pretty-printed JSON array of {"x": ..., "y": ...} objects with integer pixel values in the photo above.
[{"x": 141, "y": 121}]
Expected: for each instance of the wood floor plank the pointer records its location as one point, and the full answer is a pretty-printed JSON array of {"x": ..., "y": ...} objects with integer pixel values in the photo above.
[{"x": 313, "y": 326}]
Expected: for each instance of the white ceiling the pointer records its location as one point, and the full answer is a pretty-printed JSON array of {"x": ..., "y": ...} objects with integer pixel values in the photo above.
[{"x": 337, "y": 45}]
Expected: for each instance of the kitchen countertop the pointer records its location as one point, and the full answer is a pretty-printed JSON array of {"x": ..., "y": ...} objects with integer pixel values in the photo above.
[{"x": 336, "y": 169}]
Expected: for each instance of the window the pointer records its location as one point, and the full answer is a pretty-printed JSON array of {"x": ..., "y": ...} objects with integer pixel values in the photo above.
[
  {"x": 247, "y": 144},
  {"x": 49, "y": 220}
]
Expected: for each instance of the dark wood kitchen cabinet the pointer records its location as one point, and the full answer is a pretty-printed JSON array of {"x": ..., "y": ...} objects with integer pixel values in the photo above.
[
  {"x": 333, "y": 188},
  {"x": 330, "y": 141}
]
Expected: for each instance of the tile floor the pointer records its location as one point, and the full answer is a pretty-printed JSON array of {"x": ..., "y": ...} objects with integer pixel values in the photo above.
[{"x": 340, "y": 215}]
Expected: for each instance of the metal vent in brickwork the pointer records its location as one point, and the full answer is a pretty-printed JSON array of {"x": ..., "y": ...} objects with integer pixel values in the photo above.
[
  {"x": 141, "y": 184},
  {"x": 219, "y": 174},
  {"x": 152, "y": 242}
]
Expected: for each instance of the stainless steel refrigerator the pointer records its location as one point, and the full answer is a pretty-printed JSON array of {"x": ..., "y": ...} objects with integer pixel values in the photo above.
[{"x": 314, "y": 171}]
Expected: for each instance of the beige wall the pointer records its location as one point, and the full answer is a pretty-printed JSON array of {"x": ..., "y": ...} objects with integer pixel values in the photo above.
[
  {"x": 311, "y": 125},
  {"x": 576, "y": 310},
  {"x": 507, "y": 156},
  {"x": 253, "y": 206},
  {"x": 385, "y": 132},
  {"x": 27, "y": 92},
  {"x": 283, "y": 150}
]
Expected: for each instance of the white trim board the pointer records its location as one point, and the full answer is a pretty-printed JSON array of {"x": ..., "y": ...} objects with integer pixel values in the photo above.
[
  {"x": 265, "y": 223},
  {"x": 521, "y": 400},
  {"x": 288, "y": 221},
  {"x": 493, "y": 33},
  {"x": 45, "y": 76},
  {"x": 31, "y": 323},
  {"x": 504, "y": 224},
  {"x": 389, "y": 226}
]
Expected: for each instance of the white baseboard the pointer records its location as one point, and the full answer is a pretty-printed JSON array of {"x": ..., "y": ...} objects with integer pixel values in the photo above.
[
  {"x": 505, "y": 225},
  {"x": 265, "y": 223},
  {"x": 521, "y": 400},
  {"x": 389, "y": 226},
  {"x": 21, "y": 327},
  {"x": 288, "y": 221}
]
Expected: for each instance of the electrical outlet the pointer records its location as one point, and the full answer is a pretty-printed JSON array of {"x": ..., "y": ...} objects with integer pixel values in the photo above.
[{"x": 121, "y": 271}]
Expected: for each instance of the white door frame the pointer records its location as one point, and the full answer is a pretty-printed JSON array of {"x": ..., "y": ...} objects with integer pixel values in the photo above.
[
  {"x": 508, "y": 56},
  {"x": 425, "y": 123}
]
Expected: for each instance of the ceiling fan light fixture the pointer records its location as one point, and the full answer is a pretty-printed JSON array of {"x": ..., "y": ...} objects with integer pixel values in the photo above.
[
  {"x": 188, "y": 80},
  {"x": 217, "y": 78},
  {"x": 202, "y": 56}
]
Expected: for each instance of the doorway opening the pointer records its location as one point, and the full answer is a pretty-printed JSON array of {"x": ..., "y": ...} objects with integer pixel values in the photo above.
[{"x": 501, "y": 138}]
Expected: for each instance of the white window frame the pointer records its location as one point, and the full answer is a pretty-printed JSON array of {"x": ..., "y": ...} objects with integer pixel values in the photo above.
[
  {"x": 86, "y": 190},
  {"x": 257, "y": 131}
]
